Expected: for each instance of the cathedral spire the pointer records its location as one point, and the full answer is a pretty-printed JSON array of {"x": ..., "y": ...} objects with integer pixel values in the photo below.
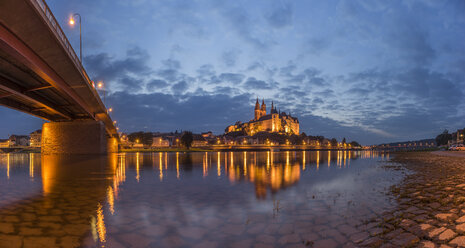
[{"x": 257, "y": 105}]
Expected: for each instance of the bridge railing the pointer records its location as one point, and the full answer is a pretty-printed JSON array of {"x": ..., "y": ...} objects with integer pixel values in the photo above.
[{"x": 45, "y": 11}]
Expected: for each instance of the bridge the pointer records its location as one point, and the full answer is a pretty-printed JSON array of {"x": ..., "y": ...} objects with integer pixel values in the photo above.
[{"x": 41, "y": 75}]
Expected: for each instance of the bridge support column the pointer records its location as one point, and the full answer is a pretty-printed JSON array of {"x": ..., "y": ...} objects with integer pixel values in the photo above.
[{"x": 76, "y": 137}]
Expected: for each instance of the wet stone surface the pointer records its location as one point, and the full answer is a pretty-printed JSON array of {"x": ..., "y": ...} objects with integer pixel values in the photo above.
[
  {"x": 253, "y": 199},
  {"x": 431, "y": 203}
]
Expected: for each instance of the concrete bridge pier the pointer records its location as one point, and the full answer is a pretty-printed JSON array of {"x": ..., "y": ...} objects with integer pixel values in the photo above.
[{"x": 77, "y": 137}]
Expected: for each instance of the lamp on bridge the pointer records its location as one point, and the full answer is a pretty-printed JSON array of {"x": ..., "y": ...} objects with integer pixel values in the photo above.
[
  {"x": 72, "y": 22},
  {"x": 101, "y": 86}
]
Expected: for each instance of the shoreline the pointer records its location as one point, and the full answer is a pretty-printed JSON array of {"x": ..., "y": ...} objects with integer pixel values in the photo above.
[{"x": 431, "y": 203}]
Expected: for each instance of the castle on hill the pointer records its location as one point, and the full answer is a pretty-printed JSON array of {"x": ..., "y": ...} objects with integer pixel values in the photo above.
[{"x": 275, "y": 121}]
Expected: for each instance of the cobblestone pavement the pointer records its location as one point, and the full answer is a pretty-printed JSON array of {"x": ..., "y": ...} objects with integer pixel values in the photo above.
[{"x": 431, "y": 210}]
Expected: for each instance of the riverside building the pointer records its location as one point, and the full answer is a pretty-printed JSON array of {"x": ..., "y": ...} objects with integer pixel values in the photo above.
[{"x": 275, "y": 121}]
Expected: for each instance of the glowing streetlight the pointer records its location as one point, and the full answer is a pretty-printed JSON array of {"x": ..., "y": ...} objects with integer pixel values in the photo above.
[
  {"x": 110, "y": 110},
  {"x": 72, "y": 22},
  {"x": 101, "y": 86}
]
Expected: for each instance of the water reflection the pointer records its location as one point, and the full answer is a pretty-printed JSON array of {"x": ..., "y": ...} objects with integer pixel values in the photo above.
[{"x": 98, "y": 201}]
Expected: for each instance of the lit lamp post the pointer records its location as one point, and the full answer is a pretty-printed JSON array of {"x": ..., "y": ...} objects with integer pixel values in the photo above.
[
  {"x": 72, "y": 22},
  {"x": 101, "y": 86}
]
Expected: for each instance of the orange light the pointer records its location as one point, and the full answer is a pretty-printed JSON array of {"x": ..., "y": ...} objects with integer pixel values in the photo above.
[
  {"x": 71, "y": 21},
  {"x": 100, "y": 85},
  {"x": 110, "y": 109}
]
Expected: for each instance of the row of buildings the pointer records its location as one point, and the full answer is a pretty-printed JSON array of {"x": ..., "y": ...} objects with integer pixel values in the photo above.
[
  {"x": 458, "y": 138},
  {"x": 32, "y": 140},
  {"x": 418, "y": 144}
]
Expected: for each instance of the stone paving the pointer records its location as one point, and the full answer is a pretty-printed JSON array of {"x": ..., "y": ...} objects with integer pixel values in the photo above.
[{"x": 431, "y": 204}]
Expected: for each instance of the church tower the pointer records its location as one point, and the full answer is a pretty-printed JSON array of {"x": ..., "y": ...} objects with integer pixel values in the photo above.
[
  {"x": 258, "y": 112},
  {"x": 263, "y": 107}
]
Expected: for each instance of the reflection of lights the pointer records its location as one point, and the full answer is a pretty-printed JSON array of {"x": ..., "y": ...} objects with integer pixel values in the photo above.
[
  {"x": 120, "y": 176},
  {"x": 268, "y": 160},
  {"x": 329, "y": 158},
  {"x": 350, "y": 155},
  {"x": 101, "y": 224},
  {"x": 160, "y": 166},
  {"x": 303, "y": 160},
  {"x": 31, "y": 165},
  {"x": 245, "y": 163},
  {"x": 177, "y": 165},
  {"x": 111, "y": 200},
  {"x": 345, "y": 158},
  {"x": 8, "y": 165},
  {"x": 226, "y": 163},
  {"x": 271, "y": 156},
  {"x": 205, "y": 165},
  {"x": 317, "y": 160},
  {"x": 137, "y": 167},
  {"x": 232, "y": 159},
  {"x": 287, "y": 157},
  {"x": 166, "y": 161},
  {"x": 218, "y": 165},
  {"x": 93, "y": 226}
]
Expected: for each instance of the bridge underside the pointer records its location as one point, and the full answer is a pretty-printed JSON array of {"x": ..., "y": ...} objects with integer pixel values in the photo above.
[{"x": 41, "y": 75}]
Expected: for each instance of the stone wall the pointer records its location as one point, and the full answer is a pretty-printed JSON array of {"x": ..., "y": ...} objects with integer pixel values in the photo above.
[{"x": 76, "y": 137}]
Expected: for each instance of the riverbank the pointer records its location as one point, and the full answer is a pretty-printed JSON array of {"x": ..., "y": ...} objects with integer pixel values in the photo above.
[
  {"x": 431, "y": 203},
  {"x": 166, "y": 150}
]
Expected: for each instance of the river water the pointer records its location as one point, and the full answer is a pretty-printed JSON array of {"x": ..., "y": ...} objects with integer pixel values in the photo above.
[{"x": 212, "y": 199}]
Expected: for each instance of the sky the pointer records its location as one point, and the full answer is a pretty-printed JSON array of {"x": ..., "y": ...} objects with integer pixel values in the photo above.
[{"x": 371, "y": 71}]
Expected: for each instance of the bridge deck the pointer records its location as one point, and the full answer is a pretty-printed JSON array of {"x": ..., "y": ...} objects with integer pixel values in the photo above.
[{"x": 40, "y": 73}]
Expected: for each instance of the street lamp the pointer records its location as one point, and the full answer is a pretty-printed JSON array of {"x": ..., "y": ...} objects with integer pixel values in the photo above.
[
  {"x": 101, "y": 86},
  {"x": 71, "y": 22}
]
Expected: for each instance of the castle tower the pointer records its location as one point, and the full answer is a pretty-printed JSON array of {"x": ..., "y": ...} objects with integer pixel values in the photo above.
[
  {"x": 258, "y": 112},
  {"x": 263, "y": 107}
]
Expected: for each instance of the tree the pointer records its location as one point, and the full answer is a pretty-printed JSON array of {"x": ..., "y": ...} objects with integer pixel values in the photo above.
[
  {"x": 355, "y": 144},
  {"x": 141, "y": 138},
  {"x": 334, "y": 142},
  {"x": 443, "y": 138},
  {"x": 186, "y": 139}
]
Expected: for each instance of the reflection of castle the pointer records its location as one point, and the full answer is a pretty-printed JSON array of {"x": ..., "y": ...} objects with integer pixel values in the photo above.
[
  {"x": 272, "y": 175},
  {"x": 275, "y": 121}
]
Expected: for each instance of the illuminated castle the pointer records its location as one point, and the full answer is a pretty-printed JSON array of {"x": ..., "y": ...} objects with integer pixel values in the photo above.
[{"x": 275, "y": 121}]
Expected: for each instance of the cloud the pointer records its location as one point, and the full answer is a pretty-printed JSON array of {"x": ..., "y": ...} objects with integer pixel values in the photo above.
[
  {"x": 234, "y": 78},
  {"x": 169, "y": 112},
  {"x": 119, "y": 72},
  {"x": 179, "y": 87},
  {"x": 229, "y": 58},
  {"x": 156, "y": 84},
  {"x": 254, "y": 84},
  {"x": 281, "y": 16},
  {"x": 241, "y": 22}
]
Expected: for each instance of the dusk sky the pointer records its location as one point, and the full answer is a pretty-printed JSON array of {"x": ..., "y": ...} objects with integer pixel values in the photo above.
[{"x": 371, "y": 71}]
